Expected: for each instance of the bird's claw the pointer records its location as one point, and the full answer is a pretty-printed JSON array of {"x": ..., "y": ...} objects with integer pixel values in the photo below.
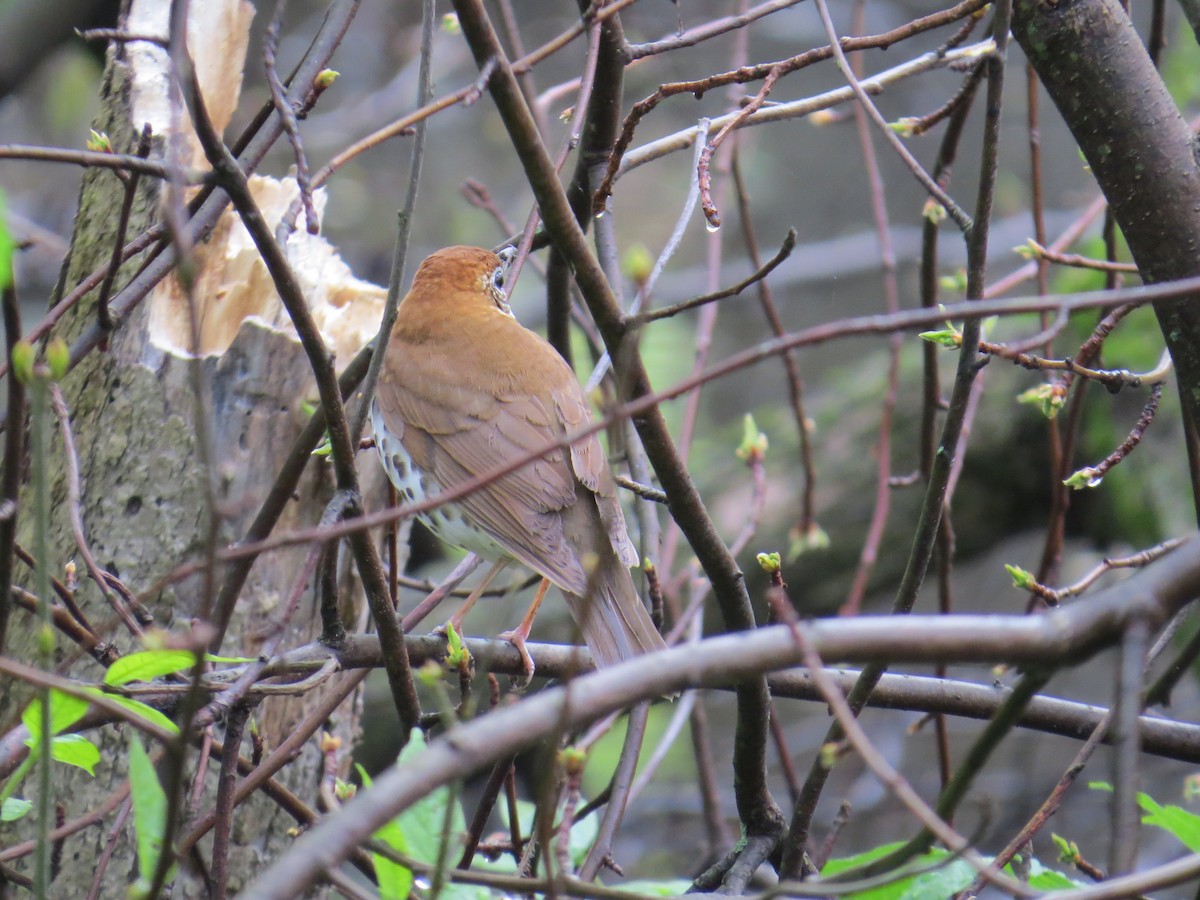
[{"x": 517, "y": 639}]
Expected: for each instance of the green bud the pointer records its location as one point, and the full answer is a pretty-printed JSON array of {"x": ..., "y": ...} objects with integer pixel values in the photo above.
[
  {"x": 58, "y": 355},
  {"x": 934, "y": 212},
  {"x": 770, "y": 562},
  {"x": 801, "y": 542},
  {"x": 1021, "y": 579},
  {"x": 98, "y": 142},
  {"x": 956, "y": 283},
  {"x": 46, "y": 640},
  {"x": 829, "y": 755},
  {"x": 22, "y": 361},
  {"x": 572, "y": 759},
  {"x": 450, "y": 24},
  {"x": 906, "y": 127},
  {"x": 754, "y": 442},
  {"x": 325, "y": 79},
  {"x": 947, "y": 337},
  {"x": 429, "y": 674},
  {"x": 1049, "y": 398},
  {"x": 457, "y": 655},
  {"x": 638, "y": 264},
  {"x": 1087, "y": 477}
]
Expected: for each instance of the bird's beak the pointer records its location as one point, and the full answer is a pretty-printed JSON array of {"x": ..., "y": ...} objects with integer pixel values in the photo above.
[{"x": 507, "y": 255}]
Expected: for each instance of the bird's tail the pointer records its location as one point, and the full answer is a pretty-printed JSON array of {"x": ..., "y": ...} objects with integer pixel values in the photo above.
[{"x": 613, "y": 619}]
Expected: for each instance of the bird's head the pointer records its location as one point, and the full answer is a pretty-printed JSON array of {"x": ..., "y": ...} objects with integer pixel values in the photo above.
[{"x": 464, "y": 276}]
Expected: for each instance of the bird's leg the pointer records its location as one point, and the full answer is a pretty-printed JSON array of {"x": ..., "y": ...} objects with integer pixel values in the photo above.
[
  {"x": 520, "y": 634},
  {"x": 456, "y": 619}
]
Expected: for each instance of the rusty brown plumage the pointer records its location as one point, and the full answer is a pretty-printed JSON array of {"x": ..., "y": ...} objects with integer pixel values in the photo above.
[{"x": 464, "y": 389}]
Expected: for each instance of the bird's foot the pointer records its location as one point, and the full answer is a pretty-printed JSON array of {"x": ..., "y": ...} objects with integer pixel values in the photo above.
[{"x": 517, "y": 638}]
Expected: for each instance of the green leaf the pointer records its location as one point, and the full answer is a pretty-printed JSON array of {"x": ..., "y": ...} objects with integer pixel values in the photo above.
[
  {"x": 937, "y": 884},
  {"x": 65, "y": 711},
  {"x": 6, "y": 245},
  {"x": 395, "y": 880},
  {"x": 75, "y": 750},
  {"x": 1043, "y": 878},
  {"x": 232, "y": 660},
  {"x": 147, "y": 665},
  {"x": 1174, "y": 819},
  {"x": 138, "y": 708},
  {"x": 14, "y": 808},
  {"x": 422, "y": 822},
  {"x": 149, "y": 810}
]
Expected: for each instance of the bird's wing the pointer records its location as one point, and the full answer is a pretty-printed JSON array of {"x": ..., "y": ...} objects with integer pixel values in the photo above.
[
  {"x": 591, "y": 468},
  {"x": 456, "y": 432}
]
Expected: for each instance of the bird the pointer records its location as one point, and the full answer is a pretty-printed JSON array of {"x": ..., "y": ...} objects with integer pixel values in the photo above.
[{"x": 465, "y": 389}]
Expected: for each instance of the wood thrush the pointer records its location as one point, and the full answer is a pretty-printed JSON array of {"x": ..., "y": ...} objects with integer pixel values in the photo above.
[{"x": 464, "y": 389}]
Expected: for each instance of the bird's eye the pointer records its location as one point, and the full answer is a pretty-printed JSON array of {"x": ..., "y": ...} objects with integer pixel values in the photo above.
[{"x": 498, "y": 278}]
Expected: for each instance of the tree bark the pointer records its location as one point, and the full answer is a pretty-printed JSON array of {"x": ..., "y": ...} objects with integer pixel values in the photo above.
[{"x": 146, "y": 513}]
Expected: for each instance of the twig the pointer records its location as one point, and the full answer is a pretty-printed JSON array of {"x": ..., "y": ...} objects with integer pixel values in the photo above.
[
  {"x": 617, "y": 163},
  {"x": 761, "y": 272},
  {"x": 1127, "y": 706},
  {"x": 620, "y": 792},
  {"x": 960, "y": 217},
  {"x": 1090, "y": 476},
  {"x": 883, "y": 448},
  {"x": 75, "y": 508},
  {"x": 14, "y": 441},
  {"x": 114, "y": 834},
  {"x": 703, "y": 176},
  {"x": 119, "y": 162},
  {"x": 235, "y": 724},
  {"x": 287, "y": 117},
  {"x": 790, "y": 364},
  {"x": 673, "y": 241},
  {"x": 114, "y": 263},
  {"x": 710, "y": 29},
  {"x": 654, "y": 495},
  {"x": 964, "y": 95},
  {"x": 847, "y": 716},
  {"x": 1077, "y": 261}
]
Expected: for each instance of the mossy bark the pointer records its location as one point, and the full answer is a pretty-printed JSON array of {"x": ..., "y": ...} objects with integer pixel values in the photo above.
[{"x": 145, "y": 513}]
